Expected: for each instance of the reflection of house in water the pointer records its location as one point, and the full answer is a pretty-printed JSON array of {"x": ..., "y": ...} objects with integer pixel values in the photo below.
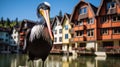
[
  {"x": 54, "y": 61},
  {"x": 60, "y": 61},
  {"x": 65, "y": 61}
]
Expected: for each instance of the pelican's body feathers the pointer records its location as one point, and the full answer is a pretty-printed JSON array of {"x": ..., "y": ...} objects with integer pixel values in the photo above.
[{"x": 40, "y": 31}]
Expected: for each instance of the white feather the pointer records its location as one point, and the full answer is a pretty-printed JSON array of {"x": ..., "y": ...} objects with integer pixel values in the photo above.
[
  {"x": 46, "y": 3},
  {"x": 36, "y": 32}
]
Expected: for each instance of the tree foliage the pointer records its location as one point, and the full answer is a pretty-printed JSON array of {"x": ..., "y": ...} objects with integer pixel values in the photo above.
[{"x": 8, "y": 23}]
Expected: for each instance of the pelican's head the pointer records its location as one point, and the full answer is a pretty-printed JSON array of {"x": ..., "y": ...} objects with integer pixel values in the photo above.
[{"x": 43, "y": 10}]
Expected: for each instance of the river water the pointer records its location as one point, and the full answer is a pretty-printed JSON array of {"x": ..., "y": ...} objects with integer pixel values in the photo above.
[{"x": 20, "y": 60}]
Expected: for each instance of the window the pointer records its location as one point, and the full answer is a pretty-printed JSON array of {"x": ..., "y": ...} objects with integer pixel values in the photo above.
[
  {"x": 60, "y": 39},
  {"x": 55, "y": 31},
  {"x": 80, "y": 22},
  {"x": 55, "y": 39},
  {"x": 72, "y": 35},
  {"x": 82, "y": 44},
  {"x": 83, "y": 10},
  {"x": 103, "y": 31},
  {"x": 1, "y": 39},
  {"x": 90, "y": 32},
  {"x": 14, "y": 37},
  {"x": 79, "y": 33},
  {"x": 116, "y": 18},
  {"x": 14, "y": 42},
  {"x": 60, "y": 30},
  {"x": 6, "y": 40},
  {"x": 66, "y": 36},
  {"x": 91, "y": 21},
  {"x": 111, "y": 5},
  {"x": 116, "y": 30},
  {"x": 103, "y": 19},
  {"x": 66, "y": 27},
  {"x": 6, "y": 35},
  {"x": 76, "y": 22}
]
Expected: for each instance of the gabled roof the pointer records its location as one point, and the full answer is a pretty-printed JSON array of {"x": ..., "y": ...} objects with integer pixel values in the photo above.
[
  {"x": 66, "y": 15},
  {"x": 26, "y": 21},
  {"x": 102, "y": 1},
  {"x": 92, "y": 7},
  {"x": 59, "y": 18}
]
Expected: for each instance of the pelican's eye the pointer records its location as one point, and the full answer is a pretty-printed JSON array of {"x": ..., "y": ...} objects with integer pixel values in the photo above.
[{"x": 44, "y": 7}]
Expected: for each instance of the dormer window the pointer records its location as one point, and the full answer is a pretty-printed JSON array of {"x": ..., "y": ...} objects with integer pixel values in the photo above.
[
  {"x": 116, "y": 18},
  {"x": 111, "y": 5},
  {"x": 66, "y": 27},
  {"x": 83, "y": 10},
  {"x": 90, "y": 21}
]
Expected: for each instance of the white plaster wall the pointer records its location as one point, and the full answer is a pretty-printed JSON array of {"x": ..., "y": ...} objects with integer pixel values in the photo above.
[
  {"x": 58, "y": 34},
  {"x": 57, "y": 27}
]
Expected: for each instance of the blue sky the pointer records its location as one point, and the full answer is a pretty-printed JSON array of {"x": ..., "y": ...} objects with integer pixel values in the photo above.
[{"x": 26, "y": 9}]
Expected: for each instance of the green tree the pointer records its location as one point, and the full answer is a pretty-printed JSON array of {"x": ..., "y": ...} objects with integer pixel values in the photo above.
[
  {"x": 7, "y": 23},
  {"x": 1, "y": 22},
  {"x": 1, "y": 19},
  {"x": 60, "y": 13},
  {"x": 16, "y": 20}
]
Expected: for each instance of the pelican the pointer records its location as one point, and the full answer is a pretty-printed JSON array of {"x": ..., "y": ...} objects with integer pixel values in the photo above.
[{"x": 39, "y": 39}]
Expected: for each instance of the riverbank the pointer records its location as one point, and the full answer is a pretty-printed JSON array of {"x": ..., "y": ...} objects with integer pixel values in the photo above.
[{"x": 83, "y": 53}]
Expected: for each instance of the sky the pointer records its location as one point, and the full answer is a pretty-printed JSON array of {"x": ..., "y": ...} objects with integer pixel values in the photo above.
[{"x": 26, "y": 9}]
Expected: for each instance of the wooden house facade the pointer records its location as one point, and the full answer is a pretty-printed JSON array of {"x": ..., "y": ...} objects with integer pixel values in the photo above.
[
  {"x": 84, "y": 26},
  {"x": 108, "y": 24},
  {"x": 96, "y": 28},
  {"x": 25, "y": 25}
]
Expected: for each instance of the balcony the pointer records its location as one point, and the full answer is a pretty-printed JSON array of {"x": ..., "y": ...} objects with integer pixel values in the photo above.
[
  {"x": 112, "y": 11},
  {"x": 78, "y": 39},
  {"x": 116, "y": 24},
  {"x": 116, "y": 36},
  {"x": 83, "y": 16},
  {"x": 79, "y": 27}
]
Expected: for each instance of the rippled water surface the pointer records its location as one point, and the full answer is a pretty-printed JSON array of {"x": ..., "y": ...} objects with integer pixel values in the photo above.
[{"x": 20, "y": 60}]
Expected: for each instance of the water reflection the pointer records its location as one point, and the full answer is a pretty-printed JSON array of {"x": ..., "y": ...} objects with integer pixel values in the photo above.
[{"x": 19, "y": 60}]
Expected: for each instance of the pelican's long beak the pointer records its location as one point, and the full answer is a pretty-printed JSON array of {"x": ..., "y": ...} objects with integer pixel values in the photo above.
[{"x": 46, "y": 15}]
